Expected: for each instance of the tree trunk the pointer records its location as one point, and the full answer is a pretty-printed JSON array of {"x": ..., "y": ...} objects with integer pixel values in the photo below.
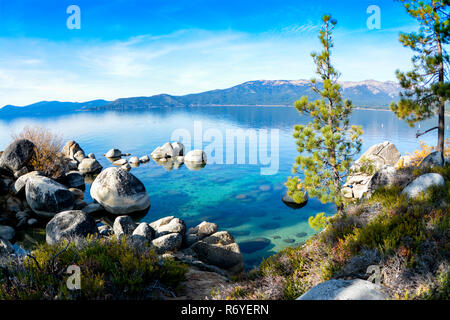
[{"x": 441, "y": 124}]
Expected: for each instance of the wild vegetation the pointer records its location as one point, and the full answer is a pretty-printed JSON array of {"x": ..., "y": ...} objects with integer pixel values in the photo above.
[
  {"x": 110, "y": 269},
  {"x": 407, "y": 239},
  {"x": 48, "y": 157}
]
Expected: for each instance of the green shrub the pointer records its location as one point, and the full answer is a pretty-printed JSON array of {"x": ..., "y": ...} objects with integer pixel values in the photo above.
[{"x": 109, "y": 269}]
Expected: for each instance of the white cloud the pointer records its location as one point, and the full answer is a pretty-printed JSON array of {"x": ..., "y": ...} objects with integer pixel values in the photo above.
[{"x": 185, "y": 61}]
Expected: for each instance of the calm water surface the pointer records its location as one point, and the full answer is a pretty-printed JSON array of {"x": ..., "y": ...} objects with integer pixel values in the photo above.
[{"x": 235, "y": 196}]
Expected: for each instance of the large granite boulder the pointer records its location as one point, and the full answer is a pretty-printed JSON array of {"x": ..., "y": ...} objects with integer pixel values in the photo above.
[
  {"x": 376, "y": 157},
  {"x": 17, "y": 155},
  {"x": 143, "y": 231},
  {"x": 422, "y": 183},
  {"x": 68, "y": 225},
  {"x": 120, "y": 192},
  {"x": 338, "y": 289},
  {"x": 89, "y": 166},
  {"x": 434, "y": 159},
  {"x": 220, "y": 249},
  {"x": 47, "y": 197},
  {"x": 72, "y": 148}
]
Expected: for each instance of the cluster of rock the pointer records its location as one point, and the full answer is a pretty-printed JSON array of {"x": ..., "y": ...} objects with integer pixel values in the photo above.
[
  {"x": 384, "y": 159},
  {"x": 115, "y": 157},
  {"x": 29, "y": 198},
  {"x": 172, "y": 156},
  {"x": 203, "y": 247}
]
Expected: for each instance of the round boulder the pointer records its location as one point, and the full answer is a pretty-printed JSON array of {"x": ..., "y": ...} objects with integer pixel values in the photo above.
[
  {"x": 17, "y": 155},
  {"x": 69, "y": 224},
  {"x": 338, "y": 289},
  {"x": 120, "y": 192},
  {"x": 47, "y": 197},
  {"x": 113, "y": 153},
  {"x": 89, "y": 166},
  {"x": 422, "y": 183}
]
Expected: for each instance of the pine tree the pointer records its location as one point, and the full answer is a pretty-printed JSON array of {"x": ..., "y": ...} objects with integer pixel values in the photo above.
[
  {"x": 426, "y": 87},
  {"x": 328, "y": 143}
]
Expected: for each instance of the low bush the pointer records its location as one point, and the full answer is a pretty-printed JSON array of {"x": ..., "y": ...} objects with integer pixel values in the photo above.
[
  {"x": 110, "y": 269},
  {"x": 47, "y": 157}
]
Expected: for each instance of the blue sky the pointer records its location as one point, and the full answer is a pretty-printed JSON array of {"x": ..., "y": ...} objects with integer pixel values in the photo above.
[{"x": 140, "y": 48}]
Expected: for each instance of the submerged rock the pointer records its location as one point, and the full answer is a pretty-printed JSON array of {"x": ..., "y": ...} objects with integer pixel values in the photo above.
[
  {"x": 68, "y": 225},
  {"x": 47, "y": 197},
  {"x": 355, "y": 289},
  {"x": 254, "y": 245},
  {"x": 120, "y": 192}
]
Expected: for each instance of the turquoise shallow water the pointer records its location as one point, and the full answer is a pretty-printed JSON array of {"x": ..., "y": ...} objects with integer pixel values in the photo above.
[{"x": 235, "y": 196}]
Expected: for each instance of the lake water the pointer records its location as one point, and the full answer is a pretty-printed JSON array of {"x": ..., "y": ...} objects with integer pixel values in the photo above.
[{"x": 238, "y": 197}]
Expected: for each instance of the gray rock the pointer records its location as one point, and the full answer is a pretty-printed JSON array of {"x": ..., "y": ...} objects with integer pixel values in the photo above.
[
  {"x": 73, "y": 164},
  {"x": 168, "y": 242},
  {"x": 220, "y": 250},
  {"x": 32, "y": 222},
  {"x": 69, "y": 224},
  {"x": 143, "y": 230},
  {"x": 160, "y": 222},
  {"x": 70, "y": 149},
  {"x": 120, "y": 192},
  {"x": 91, "y": 155},
  {"x": 174, "y": 226},
  {"x": 355, "y": 289},
  {"x": 92, "y": 208},
  {"x": 47, "y": 197},
  {"x": 144, "y": 159},
  {"x": 178, "y": 149},
  {"x": 5, "y": 185},
  {"x": 79, "y": 204},
  {"x": 379, "y": 156},
  {"x": 77, "y": 193},
  {"x": 6, "y": 248},
  {"x": 20, "y": 183},
  {"x": 124, "y": 225},
  {"x": 126, "y": 167},
  {"x": 422, "y": 183},
  {"x": 89, "y": 166},
  {"x": 113, "y": 153},
  {"x": 74, "y": 179},
  {"x": 17, "y": 155},
  {"x": 7, "y": 232},
  {"x": 199, "y": 232},
  {"x": 20, "y": 172},
  {"x": 120, "y": 162},
  {"x": 134, "y": 160},
  {"x": 195, "y": 156},
  {"x": 79, "y": 156},
  {"x": 434, "y": 159},
  {"x": 384, "y": 177}
]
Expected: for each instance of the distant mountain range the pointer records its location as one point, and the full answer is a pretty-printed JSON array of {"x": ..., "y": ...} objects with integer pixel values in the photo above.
[{"x": 363, "y": 94}]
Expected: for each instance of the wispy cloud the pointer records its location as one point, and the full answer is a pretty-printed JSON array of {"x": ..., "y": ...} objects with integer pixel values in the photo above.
[{"x": 181, "y": 62}]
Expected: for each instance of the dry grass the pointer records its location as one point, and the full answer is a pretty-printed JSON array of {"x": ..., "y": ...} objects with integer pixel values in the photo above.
[{"x": 48, "y": 158}]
